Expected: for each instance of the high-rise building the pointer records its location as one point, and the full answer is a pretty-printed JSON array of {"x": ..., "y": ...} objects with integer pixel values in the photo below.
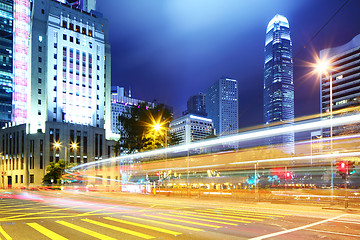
[
  {"x": 278, "y": 72},
  {"x": 222, "y": 105},
  {"x": 344, "y": 69},
  {"x": 61, "y": 101},
  {"x": 70, "y": 68},
  {"x": 122, "y": 103},
  {"x": 197, "y": 105},
  {"x": 191, "y": 128},
  {"x": 278, "y": 78},
  {"x": 6, "y": 60}
]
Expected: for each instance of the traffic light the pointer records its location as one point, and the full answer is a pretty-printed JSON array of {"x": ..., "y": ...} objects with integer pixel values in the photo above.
[{"x": 342, "y": 167}]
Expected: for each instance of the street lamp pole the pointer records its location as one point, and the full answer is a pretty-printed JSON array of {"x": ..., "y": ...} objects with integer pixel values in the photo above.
[
  {"x": 323, "y": 68},
  {"x": 331, "y": 138}
]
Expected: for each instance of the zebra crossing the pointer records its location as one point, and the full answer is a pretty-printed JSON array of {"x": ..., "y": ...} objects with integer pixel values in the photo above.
[{"x": 138, "y": 225}]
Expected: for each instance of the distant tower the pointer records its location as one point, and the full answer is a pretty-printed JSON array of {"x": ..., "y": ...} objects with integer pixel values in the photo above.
[
  {"x": 222, "y": 105},
  {"x": 278, "y": 75},
  {"x": 196, "y": 105}
]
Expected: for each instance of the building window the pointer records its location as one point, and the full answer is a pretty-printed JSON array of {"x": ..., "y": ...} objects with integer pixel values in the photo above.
[
  {"x": 40, "y": 38},
  {"x": 39, "y": 101},
  {"x": 77, "y": 41},
  {"x": 54, "y": 99},
  {"x": 42, "y": 11},
  {"x": 39, "y": 112},
  {"x": 40, "y": 49},
  {"x": 55, "y": 56},
  {"x": 39, "y": 80},
  {"x": 31, "y": 177},
  {"x": 40, "y": 59},
  {"x": 21, "y": 178},
  {"x": 55, "y": 45},
  {"x": 39, "y": 70},
  {"x": 83, "y": 30},
  {"x": 90, "y": 33},
  {"x": 39, "y": 91},
  {"x": 77, "y": 29},
  {"x": 64, "y": 37},
  {"x": 71, "y": 26},
  {"x": 64, "y": 24},
  {"x": 71, "y": 39},
  {"x": 55, "y": 66}
]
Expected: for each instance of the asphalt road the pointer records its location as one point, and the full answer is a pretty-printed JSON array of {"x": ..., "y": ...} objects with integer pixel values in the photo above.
[{"x": 61, "y": 215}]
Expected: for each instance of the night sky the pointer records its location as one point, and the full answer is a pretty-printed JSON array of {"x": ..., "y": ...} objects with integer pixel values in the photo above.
[{"x": 169, "y": 50}]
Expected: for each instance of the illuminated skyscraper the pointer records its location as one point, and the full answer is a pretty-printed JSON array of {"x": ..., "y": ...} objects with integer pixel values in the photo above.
[
  {"x": 278, "y": 75},
  {"x": 6, "y": 58},
  {"x": 222, "y": 106}
]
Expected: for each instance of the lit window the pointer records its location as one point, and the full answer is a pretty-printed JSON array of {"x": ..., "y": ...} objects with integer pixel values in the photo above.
[{"x": 40, "y": 38}]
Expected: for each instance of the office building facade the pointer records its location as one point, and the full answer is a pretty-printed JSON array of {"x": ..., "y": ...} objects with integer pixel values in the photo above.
[
  {"x": 191, "y": 128},
  {"x": 222, "y": 106},
  {"x": 196, "y": 104},
  {"x": 6, "y": 60},
  {"x": 62, "y": 99},
  {"x": 344, "y": 68},
  {"x": 278, "y": 78}
]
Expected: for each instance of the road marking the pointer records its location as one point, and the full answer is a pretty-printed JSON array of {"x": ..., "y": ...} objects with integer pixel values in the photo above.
[
  {"x": 205, "y": 220},
  {"x": 119, "y": 229},
  {"x": 233, "y": 214},
  {"x": 183, "y": 221},
  {"x": 38, "y": 213},
  {"x": 88, "y": 213},
  {"x": 345, "y": 234},
  {"x": 50, "y": 234},
  {"x": 144, "y": 226},
  {"x": 86, "y": 231},
  {"x": 164, "y": 223},
  {"x": 6, "y": 236},
  {"x": 216, "y": 216},
  {"x": 254, "y": 212},
  {"x": 296, "y": 229},
  {"x": 351, "y": 222}
]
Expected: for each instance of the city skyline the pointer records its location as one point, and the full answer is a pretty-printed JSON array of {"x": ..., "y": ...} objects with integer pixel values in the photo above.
[{"x": 158, "y": 49}]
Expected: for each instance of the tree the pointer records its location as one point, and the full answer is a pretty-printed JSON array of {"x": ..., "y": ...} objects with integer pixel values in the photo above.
[
  {"x": 137, "y": 128},
  {"x": 54, "y": 172}
]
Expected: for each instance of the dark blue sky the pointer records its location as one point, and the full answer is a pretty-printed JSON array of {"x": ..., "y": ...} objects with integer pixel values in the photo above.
[{"x": 171, "y": 49}]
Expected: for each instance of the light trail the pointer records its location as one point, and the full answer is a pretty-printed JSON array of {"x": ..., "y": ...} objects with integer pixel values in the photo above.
[{"x": 236, "y": 138}]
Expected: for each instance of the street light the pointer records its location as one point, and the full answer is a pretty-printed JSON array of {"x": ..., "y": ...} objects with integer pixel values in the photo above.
[
  {"x": 323, "y": 67},
  {"x": 73, "y": 146},
  {"x": 158, "y": 127}
]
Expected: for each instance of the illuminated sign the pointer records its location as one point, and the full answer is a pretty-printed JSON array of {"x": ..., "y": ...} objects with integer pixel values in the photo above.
[{"x": 21, "y": 60}]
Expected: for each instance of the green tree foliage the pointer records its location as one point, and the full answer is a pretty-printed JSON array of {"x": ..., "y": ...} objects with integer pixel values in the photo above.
[
  {"x": 54, "y": 171},
  {"x": 137, "y": 132}
]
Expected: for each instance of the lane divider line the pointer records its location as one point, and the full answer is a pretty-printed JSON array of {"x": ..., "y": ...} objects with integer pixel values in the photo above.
[
  {"x": 183, "y": 221},
  {"x": 119, "y": 229},
  {"x": 220, "y": 213},
  {"x": 205, "y": 220},
  {"x": 48, "y": 233},
  {"x": 228, "y": 218},
  {"x": 144, "y": 226},
  {"x": 86, "y": 231},
  {"x": 6, "y": 236},
  {"x": 165, "y": 223}
]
